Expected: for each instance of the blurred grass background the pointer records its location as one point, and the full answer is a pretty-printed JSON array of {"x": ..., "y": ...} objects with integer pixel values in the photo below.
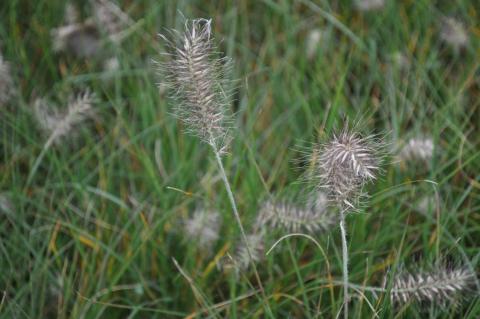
[{"x": 94, "y": 233}]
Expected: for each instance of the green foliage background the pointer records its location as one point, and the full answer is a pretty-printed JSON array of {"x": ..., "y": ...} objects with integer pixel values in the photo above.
[{"x": 94, "y": 233}]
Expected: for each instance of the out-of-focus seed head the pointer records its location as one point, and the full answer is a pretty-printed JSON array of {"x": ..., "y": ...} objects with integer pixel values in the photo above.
[
  {"x": 420, "y": 148},
  {"x": 346, "y": 163},
  {"x": 369, "y": 5},
  {"x": 81, "y": 39},
  {"x": 6, "y": 82},
  {"x": 453, "y": 33},
  {"x": 257, "y": 248},
  {"x": 59, "y": 124},
  {"x": 198, "y": 79},
  {"x": 110, "y": 18},
  {"x": 313, "y": 218},
  {"x": 71, "y": 15},
  {"x": 203, "y": 228}
]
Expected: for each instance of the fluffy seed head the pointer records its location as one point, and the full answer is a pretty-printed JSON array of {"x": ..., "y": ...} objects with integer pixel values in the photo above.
[
  {"x": 256, "y": 243},
  {"x": 440, "y": 286},
  {"x": 6, "y": 82},
  {"x": 417, "y": 149},
  {"x": 312, "y": 42},
  {"x": 203, "y": 228},
  {"x": 80, "y": 39},
  {"x": 453, "y": 33},
  {"x": 369, "y": 5},
  {"x": 110, "y": 18},
  {"x": 346, "y": 163},
  {"x": 197, "y": 77},
  {"x": 282, "y": 215},
  {"x": 60, "y": 124},
  {"x": 71, "y": 15}
]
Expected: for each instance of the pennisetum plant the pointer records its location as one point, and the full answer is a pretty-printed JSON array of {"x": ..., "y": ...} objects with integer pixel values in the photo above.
[
  {"x": 344, "y": 165},
  {"x": 198, "y": 78}
]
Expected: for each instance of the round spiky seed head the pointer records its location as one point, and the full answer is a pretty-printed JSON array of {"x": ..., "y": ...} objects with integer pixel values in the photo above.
[{"x": 346, "y": 163}]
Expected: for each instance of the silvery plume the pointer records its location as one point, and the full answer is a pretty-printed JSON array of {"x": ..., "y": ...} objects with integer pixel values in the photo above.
[
  {"x": 197, "y": 77},
  {"x": 79, "y": 39},
  {"x": 71, "y": 15},
  {"x": 311, "y": 218},
  {"x": 369, "y": 5},
  {"x": 418, "y": 148},
  {"x": 312, "y": 42},
  {"x": 242, "y": 258},
  {"x": 58, "y": 124},
  {"x": 110, "y": 18},
  {"x": 346, "y": 163},
  {"x": 453, "y": 33},
  {"x": 6, "y": 82},
  {"x": 203, "y": 228},
  {"x": 440, "y": 286}
]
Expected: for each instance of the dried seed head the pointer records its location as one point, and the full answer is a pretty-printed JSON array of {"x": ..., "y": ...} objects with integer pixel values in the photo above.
[
  {"x": 110, "y": 18},
  {"x": 312, "y": 219},
  {"x": 453, "y": 33},
  {"x": 6, "y": 82},
  {"x": 197, "y": 77},
  {"x": 81, "y": 39},
  {"x": 312, "y": 42},
  {"x": 369, "y": 5},
  {"x": 440, "y": 286},
  {"x": 60, "y": 124},
  {"x": 257, "y": 247},
  {"x": 417, "y": 149},
  {"x": 112, "y": 64},
  {"x": 71, "y": 15},
  {"x": 346, "y": 163},
  {"x": 203, "y": 228}
]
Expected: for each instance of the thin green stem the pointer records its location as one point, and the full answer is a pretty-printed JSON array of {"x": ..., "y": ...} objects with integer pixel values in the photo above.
[
  {"x": 345, "y": 263},
  {"x": 239, "y": 222}
]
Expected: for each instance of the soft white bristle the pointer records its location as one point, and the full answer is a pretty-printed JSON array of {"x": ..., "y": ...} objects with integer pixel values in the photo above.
[{"x": 203, "y": 228}]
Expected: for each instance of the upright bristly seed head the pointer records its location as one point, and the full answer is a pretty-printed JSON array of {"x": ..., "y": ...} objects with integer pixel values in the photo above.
[
  {"x": 346, "y": 163},
  {"x": 197, "y": 77}
]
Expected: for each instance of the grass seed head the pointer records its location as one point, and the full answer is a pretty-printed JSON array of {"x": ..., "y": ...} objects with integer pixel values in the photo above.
[
  {"x": 203, "y": 228},
  {"x": 257, "y": 245},
  {"x": 346, "y": 163},
  {"x": 420, "y": 148},
  {"x": 61, "y": 124},
  {"x": 313, "y": 218},
  {"x": 199, "y": 83},
  {"x": 6, "y": 82},
  {"x": 441, "y": 286},
  {"x": 369, "y": 5},
  {"x": 453, "y": 33}
]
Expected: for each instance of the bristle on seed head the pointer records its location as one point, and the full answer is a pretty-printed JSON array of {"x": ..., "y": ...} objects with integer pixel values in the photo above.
[
  {"x": 441, "y": 286},
  {"x": 346, "y": 163},
  {"x": 312, "y": 218},
  {"x": 199, "y": 83}
]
